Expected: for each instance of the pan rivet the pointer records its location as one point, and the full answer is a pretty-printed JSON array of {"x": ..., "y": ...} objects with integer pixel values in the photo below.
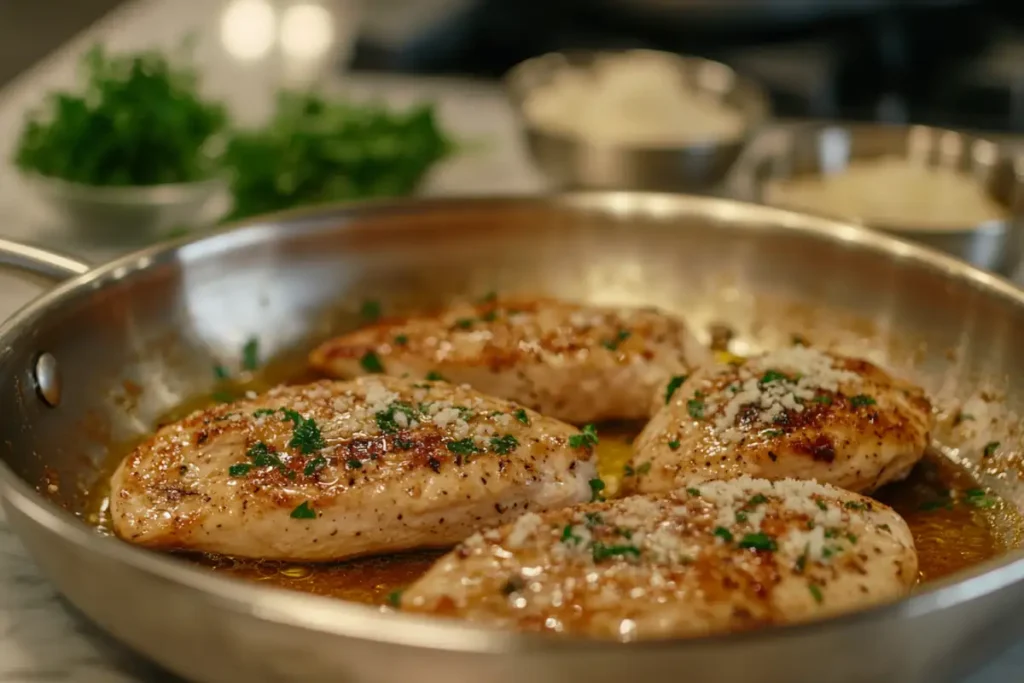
[{"x": 47, "y": 376}]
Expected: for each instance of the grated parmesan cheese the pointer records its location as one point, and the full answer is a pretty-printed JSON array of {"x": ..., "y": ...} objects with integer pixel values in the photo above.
[{"x": 524, "y": 529}]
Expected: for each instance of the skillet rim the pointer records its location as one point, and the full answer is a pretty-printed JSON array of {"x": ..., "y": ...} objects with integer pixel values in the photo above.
[{"x": 364, "y": 622}]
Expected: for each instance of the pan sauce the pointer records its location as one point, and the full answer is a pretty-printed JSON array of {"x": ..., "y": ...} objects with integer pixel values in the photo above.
[{"x": 954, "y": 522}]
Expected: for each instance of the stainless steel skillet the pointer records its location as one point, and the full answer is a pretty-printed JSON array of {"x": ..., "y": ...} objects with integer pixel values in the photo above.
[{"x": 134, "y": 338}]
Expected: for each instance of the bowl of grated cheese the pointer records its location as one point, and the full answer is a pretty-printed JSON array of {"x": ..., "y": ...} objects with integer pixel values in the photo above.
[
  {"x": 634, "y": 119},
  {"x": 956, "y": 192}
]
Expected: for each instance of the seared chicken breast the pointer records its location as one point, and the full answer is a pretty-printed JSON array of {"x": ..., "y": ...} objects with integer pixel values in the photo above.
[
  {"x": 796, "y": 412},
  {"x": 715, "y": 557},
  {"x": 573, "y": 362},
  {"x": 332, "y": 470}
]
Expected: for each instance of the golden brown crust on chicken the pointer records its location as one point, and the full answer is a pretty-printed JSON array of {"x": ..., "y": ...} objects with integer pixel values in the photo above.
[
  {"x": 796, "y": 412},
  {"x": 332, "y": 470},
  {"x": 716, "y": 557},
  {"x": 573, "y": 362}
]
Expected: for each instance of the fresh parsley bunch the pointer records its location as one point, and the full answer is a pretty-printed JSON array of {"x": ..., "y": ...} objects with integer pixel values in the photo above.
[
  {"x": 139, "y": 120},
  {"x": 317, "y": 150}
]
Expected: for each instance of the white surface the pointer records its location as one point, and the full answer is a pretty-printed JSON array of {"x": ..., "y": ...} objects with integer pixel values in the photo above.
[{"x": 39, "y": 639}]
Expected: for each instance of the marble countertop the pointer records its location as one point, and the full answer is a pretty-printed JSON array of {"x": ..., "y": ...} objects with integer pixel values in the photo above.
[{"x": 244, "y": 59}]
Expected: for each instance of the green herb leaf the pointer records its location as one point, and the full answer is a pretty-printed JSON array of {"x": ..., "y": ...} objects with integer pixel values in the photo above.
[
  {"x": 773, "y": 376},
  {"x": 990, "y": 449},
  {"x": 371, "y": 362},
  {"x": 464, "y": 323},
  {"x": 602, "y": 552},
  {"x": 801, "y": 562},
  {"x": 314, "y": 466},
  {"x": 568, "y": 537},
  {"x": 674, "y": 445},
  {"x": 741, "y": 516},
  {"x": 462, "y": 447},
  {"x": 593, "y": 518},
  {"x": 673, "y": 385},
  {"x": 386, "y": 418},
  {"x": 239, "y": 469},
  {"x": 821, "y": 504},
  {"x": 613, "y": 343},
  {"x": 221, "y": 372},
  {"x": 587, "y": 438},
  {"x": 823, "y": 399},
  {"x": 251, "y": 354},
  {"x": 861, "y": 400},
  {"x": 260, "y": 412},
  {"x": 503, "y": 445},
  {"x": 815, "y": 593},
  {"x": 757, "y": 499},
  {"x": 303, "y": 511},
  {"x": 596, "y": 486},
  {"x": 758, "y": 541},
  {"x": 644, "y": 468},
  {"x": 401, "y": 340},
  {"x": 354, "y": 464},
  {"x": 522, "y": 416},
  {"x": 855, "y": 505},
  {"x": 695, "y": 407},
  {"x": 434, "y": 376},
  {"x": 723, "y": 534},
  {"x": 979, "y": 499},
  {"x": 306, "y": 436},
  {"x": 395, "y": 599},
  {"x": 370, "y": 310},
  {"x": 693, "y": 492}
]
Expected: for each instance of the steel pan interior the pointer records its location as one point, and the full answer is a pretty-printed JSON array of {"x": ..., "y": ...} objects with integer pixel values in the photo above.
[{"x": 161, "y": 319}]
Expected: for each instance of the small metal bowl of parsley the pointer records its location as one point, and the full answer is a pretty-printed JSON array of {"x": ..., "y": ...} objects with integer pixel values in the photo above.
[{"x": 132, "y": 154}]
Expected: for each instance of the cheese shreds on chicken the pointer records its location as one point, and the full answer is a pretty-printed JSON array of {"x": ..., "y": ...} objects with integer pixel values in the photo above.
[
  {"x": 574, "y": 362},
  {"x": 715, "y": 557},
  {"x": 333, "y": 470},
  {"x": 796, "y": 412}
]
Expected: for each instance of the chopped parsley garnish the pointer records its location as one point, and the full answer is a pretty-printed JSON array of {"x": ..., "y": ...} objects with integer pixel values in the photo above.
[
  {"x": 644, "y": 468},
  {"x": 801, "y": 562},
  {"x": 772, "y": 433},
  {"x": 503, "y": 445},
  {"x": 395, "y": 598},
  {"x": 386, "y": 418},
  {"x": 462, "y": 447},
  {"x": 490, "y": 316},
  {"x": 851, "y": 537},
  {"x": 522, "y": 416},
  {"x": 260, "y": 412},
  {"x": 221, "y": 372},
  {"x": 403, "y": 444},
  {"x": 990, "y": 449},
  {"x": 354, "y": 464},
  {"x": 613, "y": 344},
  {"x": 628, "y": 471},
  {"x": 568, "y": 536},
  {"x": 306, "y": 434},
  {"x": 251, "y": 354},
  {"x": 464, "y": 323},
  {"x": 855, "y": 505},
  {"x": 602, "y": 552},
  {"x": 240, "y": 469},
  {"x": 773, "y": 376},
  {"x": 861, "y": 400},
  {"x": 821, "y": 504},
  {"x": 693, "y": 492},
  {"x": 371, "y": 362},
  {"x": 674, "y": 445},
  {"x": 435, "y": 376},
  {"x": 673, "y": 384},
  {"x": 723, "y": 534},
  {"x": 370, "y": 309},
  {"x": 741, "y": 516},
  {"x": 593, "y": 518},
  {"x": 303, "y": 511},
  {"x": 401, "y": 339},
  {"x": 758, "y": 499},
  {"x": 815, "y": 593},
  {"x": 978, "y": 498},
  {"x": 587, "y": 438},
  {"x": 596, "y": 486},
  {"x": 261, "y": 456},
  {"x": 758, "y": 541},
  {"x": 823, "y": 399},
  {"x": 939, "y": 504},
  {"x": 314, "y": 465},
  {"x": 695, "y": 406}
]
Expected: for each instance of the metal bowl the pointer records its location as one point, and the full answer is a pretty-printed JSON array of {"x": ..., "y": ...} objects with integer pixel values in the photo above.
[
  {"x": 576, "y": 163},
  {"x": 126, "y": 215},
  {"x": 825, "y": 148},
  {"x": 136, "y": 337}
]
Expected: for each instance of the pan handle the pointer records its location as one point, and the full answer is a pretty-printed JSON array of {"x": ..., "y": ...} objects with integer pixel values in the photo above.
[{"x": 40, "y": 262}]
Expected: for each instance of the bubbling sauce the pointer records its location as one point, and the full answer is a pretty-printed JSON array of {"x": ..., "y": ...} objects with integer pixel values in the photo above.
[{"x": 955, "y": 523}]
